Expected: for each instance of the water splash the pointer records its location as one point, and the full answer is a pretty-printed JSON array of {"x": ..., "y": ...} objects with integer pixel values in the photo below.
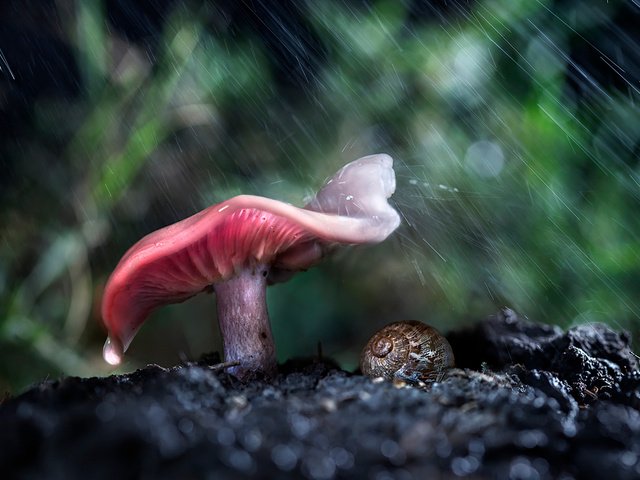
[{"x": 112, "y": 352}]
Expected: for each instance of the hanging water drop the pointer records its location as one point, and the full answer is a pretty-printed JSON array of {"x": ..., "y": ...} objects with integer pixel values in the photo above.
[{"x": 112, "y": 352}]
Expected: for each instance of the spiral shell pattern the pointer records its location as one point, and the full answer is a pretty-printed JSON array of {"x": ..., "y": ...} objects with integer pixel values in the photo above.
[{"x": 409, "y": 351}]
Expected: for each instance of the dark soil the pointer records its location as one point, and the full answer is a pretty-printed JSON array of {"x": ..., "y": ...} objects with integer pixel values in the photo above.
[{"x": 528, "y": 402}]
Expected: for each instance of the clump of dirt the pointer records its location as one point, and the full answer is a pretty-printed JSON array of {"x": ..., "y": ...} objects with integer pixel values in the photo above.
[{"x": 527, "y": 401}]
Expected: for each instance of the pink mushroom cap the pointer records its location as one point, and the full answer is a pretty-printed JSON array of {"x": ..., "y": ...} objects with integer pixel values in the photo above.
[{"x": 176, "y": 262}]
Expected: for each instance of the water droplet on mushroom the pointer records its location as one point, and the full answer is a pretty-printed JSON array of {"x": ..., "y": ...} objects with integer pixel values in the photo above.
[{"x": 111, "y": 352}]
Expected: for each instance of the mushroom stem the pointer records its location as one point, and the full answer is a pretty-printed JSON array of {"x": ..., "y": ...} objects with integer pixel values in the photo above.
[{"x": 244, "y": 322}]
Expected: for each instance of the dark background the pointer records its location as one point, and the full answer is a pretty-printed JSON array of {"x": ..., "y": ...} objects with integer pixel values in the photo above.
[{"x": 514, "y": 126}]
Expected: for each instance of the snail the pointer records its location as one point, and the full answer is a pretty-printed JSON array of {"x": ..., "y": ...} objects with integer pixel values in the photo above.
[{"x": 409, "y": 351}]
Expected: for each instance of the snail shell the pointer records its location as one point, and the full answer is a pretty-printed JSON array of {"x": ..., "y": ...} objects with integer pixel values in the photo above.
[{"x": 409, "y": 351}]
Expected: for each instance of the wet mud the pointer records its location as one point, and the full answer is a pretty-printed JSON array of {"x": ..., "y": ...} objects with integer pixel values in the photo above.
[{"x": 527, "y": 401}]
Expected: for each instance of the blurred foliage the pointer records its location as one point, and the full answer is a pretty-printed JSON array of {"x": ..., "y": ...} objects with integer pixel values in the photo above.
[{"x": 514, "y": 126}]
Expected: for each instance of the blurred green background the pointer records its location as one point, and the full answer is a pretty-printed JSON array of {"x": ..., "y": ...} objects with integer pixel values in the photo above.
[{"x": 514, "y": 126}]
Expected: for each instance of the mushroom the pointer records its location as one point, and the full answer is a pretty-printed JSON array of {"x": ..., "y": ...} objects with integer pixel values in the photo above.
[{"x": 239, "y": 246}]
